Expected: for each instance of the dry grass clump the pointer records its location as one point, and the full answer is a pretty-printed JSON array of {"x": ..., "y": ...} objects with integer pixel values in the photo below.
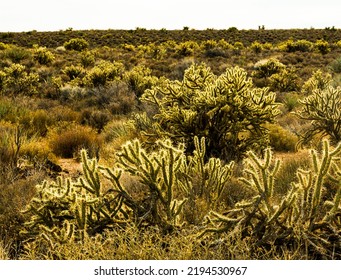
[
  {"x": 131, "y": 243},
  {"x": 67, "y": 143}
]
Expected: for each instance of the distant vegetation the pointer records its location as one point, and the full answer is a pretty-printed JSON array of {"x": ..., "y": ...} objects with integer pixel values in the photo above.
[{"x": 158, "y": 144}]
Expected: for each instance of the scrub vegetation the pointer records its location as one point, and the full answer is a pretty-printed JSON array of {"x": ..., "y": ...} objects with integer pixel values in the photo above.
[{"x": 159, "y": 144}]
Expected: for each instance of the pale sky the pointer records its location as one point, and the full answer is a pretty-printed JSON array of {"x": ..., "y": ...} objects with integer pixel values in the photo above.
[{"x": 51, "y": 15}]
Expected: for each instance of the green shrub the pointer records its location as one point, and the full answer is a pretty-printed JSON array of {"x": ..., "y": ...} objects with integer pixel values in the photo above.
[
  {"x": 102, "y": 73},
  {"x": 17, "y": 54},
  {"x": 256, "y": 47},
  {"x": 290, "y": 101},
  {"x": 77, "y": 44},
  {"x": 73, "y": 71},
  {"x": 140, "y": 79},
  {"x": 18, "y": 80},
  {"x": 87, "y": 59},
  {"x": 2, "y": 80},
  {"x": 294, "y": 46},
  {"x": 336, "y": 65},
  {"x": 322, "y": 46},
  {"x": 187, "y": 48},
  {"x": 281, "y": 139},
  {"x": 68, "y": 142},
  {"x": 42, "y": 55},
  {"x": 4, "y": 46}
]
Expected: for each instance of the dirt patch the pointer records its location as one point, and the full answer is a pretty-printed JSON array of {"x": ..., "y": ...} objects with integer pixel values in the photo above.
[{"x": 71, "y": 167}]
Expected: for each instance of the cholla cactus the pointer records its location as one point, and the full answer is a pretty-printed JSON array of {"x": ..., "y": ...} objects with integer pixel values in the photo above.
[
  {"x": 318, "y": 81},
  {"x": 159, "y": 172},
  {"x": 65, "y": 208},
  {"x": 227, "y": 110},
  {"x": 169, "y": 179},
  {"x": 310, "y": 211},
  {"x": 322, "y": 108},
  {"x": 267, "y": 67}
]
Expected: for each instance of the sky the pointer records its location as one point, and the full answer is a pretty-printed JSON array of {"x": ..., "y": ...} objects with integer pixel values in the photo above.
[{"x": 53, "y": 15}]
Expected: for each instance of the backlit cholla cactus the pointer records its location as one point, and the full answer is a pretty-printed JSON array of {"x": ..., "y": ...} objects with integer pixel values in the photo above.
[
  {"x": 322, "y": 108},
  {"x": 63, "y": 211},
  {"x": 227, "y": 110},
  {"x": 310, "y": 211}
]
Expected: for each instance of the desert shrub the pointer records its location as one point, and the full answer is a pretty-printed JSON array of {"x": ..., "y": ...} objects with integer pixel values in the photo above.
[
  {"x": 256, "y": 47},
  {"x": 290, "y": 100},
  {"x": 114, "y": 97},
  {"x": 294, "y": 46},
  {"x": 266, "y": 68},
  {"x": 77, "y": 44},
  {"x": 63, "y": 114},
  {"x": 18, "y": 80},
  {"x": 338, "y": 44},
  {"x": 16, "y": 54},
  {"x": 130, "y": 243},
  {"x": 10, "y": 144},
  {"x": 42, "y": 55},
  {"x": 11, "y": 111},
  {"x": 14, "y": 196},
  {"x": 335, "y": 66},
  {"x": 37, "y": 152},
  {"x": 213, "y": 48},
  {"x": 73, "y": 71},
  {"x": 69, "y": 141},
  {"x": 228, "y": 110},
  {"x": 104, "y": 72},
  {"x": 281, "y": 139},
  {"x": 87, "y": 59},
  {"x": 95, "y": 118},
  {"x": 118, "y": 129},
  {"x": 2, "y": 80},
  {"x": 69, "y": 92},
  {"x": 187, "y": 48},
  {"x": 140, "y": 79},
  {"x": 4, "y": 46},
  {"x": 322, "y": 46},
  {"x": 322, "y": 108},
  {"x": 35, "y": 123}
]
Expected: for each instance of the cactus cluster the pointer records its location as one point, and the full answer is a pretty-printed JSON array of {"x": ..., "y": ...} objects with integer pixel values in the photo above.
[
  {"x": 310, "y": 211},
  {"x": 63, "y": 211}
]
